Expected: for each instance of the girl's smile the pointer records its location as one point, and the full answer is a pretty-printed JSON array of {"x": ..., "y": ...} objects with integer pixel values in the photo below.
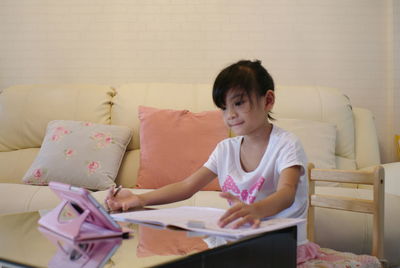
[{"x": 236, "y": 124}]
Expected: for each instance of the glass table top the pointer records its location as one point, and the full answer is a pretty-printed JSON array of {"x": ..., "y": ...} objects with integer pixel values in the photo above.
[{"x": 24, "y": 244}]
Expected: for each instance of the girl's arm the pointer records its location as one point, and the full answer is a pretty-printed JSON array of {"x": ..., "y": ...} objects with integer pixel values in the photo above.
[
  {"x": 174, "y": 192},
  {"x": 271, "y": 205}
]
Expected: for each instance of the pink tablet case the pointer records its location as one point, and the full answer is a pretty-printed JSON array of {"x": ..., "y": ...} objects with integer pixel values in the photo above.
[{"x": 86, "y": 223}]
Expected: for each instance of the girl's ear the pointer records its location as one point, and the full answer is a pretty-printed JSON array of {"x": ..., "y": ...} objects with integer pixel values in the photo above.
[{"x": 269, "y": 100}]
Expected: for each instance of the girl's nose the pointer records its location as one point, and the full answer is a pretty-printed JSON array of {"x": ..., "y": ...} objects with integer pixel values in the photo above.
[{"x": 230, "y": 113}]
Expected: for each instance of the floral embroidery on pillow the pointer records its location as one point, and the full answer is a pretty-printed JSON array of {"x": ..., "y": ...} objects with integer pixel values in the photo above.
[
  {"x": 38, "y": 173},
  {"x": 92, "y": 167},
  {"x": 102, "y": 139},
  {"x": 38, "y": 177},
  {"x": 69, "y": 153},
  {"x": 59, "y": 132}
]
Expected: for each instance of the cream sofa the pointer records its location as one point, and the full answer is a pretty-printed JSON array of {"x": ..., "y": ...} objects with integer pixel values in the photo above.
[{"x": 25, "y": 111}]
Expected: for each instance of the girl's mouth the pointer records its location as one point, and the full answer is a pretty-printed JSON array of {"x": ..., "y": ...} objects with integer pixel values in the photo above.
[{"x": 236, "y": 124}]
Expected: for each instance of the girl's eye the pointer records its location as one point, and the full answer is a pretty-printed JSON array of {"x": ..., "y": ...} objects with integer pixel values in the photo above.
[{"x": 239, "y": 103}]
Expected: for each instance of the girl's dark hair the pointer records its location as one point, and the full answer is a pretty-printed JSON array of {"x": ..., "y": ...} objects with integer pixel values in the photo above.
[{"x": 249, "y": 76}]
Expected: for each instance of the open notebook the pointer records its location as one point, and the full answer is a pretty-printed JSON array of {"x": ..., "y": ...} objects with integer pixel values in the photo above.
[{"x": 202, "y": 220}]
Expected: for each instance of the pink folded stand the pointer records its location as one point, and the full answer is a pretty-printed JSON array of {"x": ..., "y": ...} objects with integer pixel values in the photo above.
[{"x": 79, "y": 216}]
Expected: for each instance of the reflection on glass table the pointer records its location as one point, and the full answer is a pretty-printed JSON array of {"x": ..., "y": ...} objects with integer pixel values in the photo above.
[
  {"x": 23, "y": 245},
  {"x": 85, "y": 254},
  {"x": 154, "y": 241}
]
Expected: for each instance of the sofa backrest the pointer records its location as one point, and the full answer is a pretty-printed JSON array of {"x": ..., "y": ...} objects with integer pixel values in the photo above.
[
  {"x": 311, "y": 103},
  {"x": 319, "y": 104},
  {"x": 193, "y": 97},
  {"x": 356, "y": 139},
  {"x": 26, "y": 110}
]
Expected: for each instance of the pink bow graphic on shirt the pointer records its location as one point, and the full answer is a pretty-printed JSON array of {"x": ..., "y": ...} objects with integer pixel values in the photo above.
[{"x": 247, "y": 196}]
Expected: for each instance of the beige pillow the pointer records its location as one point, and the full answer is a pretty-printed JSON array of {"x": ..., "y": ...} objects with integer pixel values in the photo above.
[
  {"x": 82, "y": 154},
  {"x": 318, "y": 139}
]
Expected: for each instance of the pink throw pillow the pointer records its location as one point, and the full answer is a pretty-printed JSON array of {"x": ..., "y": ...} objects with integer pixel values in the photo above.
[{"x": 175, "y": 143}]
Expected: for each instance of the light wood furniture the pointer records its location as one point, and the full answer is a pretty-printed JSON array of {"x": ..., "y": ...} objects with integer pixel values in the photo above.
[{"x": 373, "y": 177}]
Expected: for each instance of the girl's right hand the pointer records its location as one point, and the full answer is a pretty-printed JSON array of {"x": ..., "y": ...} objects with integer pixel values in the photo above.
[
  {"x": 240, "y": 213},
  {"x": 124, "y": 200}
]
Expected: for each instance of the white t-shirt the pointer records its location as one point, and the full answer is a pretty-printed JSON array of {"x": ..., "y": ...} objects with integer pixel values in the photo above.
[{"x": 284, "y": 150}]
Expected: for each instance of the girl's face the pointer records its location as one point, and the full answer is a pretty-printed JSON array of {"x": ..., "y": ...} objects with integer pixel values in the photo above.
[{"x": 247, "y": 114}]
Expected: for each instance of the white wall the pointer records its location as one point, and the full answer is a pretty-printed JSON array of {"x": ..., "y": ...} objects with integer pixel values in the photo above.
[{"x": 337, "y": 43}]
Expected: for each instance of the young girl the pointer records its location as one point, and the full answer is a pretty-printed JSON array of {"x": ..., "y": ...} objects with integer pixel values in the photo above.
[{"x": 261, "y": 171}]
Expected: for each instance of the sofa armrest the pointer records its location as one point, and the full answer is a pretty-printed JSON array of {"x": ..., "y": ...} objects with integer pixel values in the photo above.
[{"x": 392, "y": 178}]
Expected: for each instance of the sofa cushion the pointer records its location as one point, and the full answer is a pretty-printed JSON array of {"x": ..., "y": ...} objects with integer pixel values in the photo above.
[
  {"x": 19, "y": 198},
  {"x": 175, "y": 143},
  {"x": 79, "y": 153},
  {"x": 319, "y": 104},
  {"x": 14, "y": 164},
  {"x": 318, "y": 139},
  {"x": 345, "y": 163},
  {"x": 26, "y": 110}
]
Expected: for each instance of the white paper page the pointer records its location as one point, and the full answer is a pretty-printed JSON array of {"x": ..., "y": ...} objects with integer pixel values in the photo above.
[
  {"x": 209, "y": 217},
  {"x": 178, "y": 217}
]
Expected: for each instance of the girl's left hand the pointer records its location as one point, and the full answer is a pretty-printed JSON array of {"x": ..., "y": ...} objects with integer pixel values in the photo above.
[{"x": 246, "y": 213}]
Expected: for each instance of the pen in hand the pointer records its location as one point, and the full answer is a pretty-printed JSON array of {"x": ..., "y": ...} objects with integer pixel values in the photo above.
[
  {"x": 117, "y": 191},
  {"x": 112, "y": 193}
]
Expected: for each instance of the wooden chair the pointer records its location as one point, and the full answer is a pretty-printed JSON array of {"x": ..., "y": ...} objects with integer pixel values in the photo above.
[{"x": 375, "y": 206}]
